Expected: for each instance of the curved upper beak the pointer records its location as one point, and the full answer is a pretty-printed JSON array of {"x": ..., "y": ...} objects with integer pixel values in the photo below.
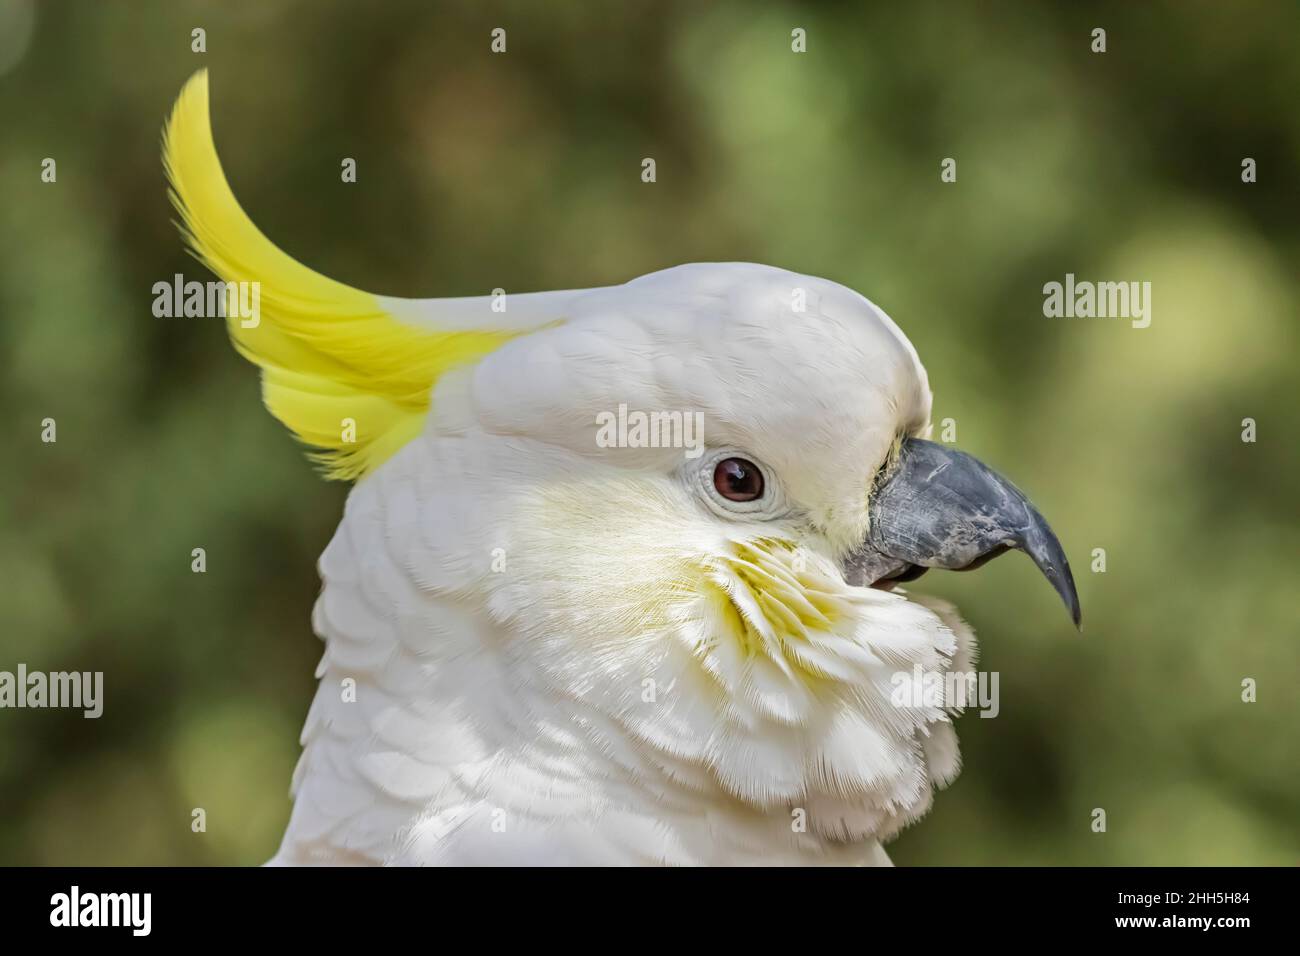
[{"x": 941, "y": 508}]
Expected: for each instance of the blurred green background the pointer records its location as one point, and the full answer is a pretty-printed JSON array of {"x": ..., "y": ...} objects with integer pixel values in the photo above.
[{"x": 523, "y": 171}]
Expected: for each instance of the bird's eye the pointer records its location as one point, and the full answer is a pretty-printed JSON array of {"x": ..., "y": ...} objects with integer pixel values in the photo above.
[{"x": 738, "y": 479}]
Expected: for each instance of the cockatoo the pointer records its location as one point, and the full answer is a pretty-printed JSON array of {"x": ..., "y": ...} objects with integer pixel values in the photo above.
[{"x": 545, "y": 648}]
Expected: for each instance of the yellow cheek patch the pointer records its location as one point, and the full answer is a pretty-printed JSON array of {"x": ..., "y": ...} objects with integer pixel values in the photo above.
[{"x": 775, "y": 600}]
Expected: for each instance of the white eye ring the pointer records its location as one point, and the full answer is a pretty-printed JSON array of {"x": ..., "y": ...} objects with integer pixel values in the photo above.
[{"x": 770, "y": 504}]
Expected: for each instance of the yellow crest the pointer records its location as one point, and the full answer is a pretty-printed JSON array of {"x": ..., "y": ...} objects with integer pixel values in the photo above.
[{"x": 338, "y": 368}]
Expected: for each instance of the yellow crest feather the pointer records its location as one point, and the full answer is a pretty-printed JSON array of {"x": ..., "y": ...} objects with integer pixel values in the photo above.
[{"x": 328, "y": 352}]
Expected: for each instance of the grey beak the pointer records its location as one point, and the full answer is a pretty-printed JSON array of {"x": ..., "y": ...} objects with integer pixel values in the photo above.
[{"x": 940, "y": 508}]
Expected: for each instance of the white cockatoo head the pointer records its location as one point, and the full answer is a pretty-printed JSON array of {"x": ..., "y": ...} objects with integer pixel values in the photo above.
[
  {"x": 662, "y": 504},
  {"x": 710, "y": 598}
]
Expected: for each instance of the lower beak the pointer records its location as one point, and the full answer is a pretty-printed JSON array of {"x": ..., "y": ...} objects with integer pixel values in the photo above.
[{"x": 940, "y": 508}]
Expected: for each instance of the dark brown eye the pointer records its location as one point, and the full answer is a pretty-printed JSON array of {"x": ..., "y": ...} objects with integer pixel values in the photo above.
[{"x": 738, "y": 479}]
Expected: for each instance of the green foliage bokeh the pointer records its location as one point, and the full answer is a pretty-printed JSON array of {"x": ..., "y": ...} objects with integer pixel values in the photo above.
[{"x": 523, "y": 171}]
